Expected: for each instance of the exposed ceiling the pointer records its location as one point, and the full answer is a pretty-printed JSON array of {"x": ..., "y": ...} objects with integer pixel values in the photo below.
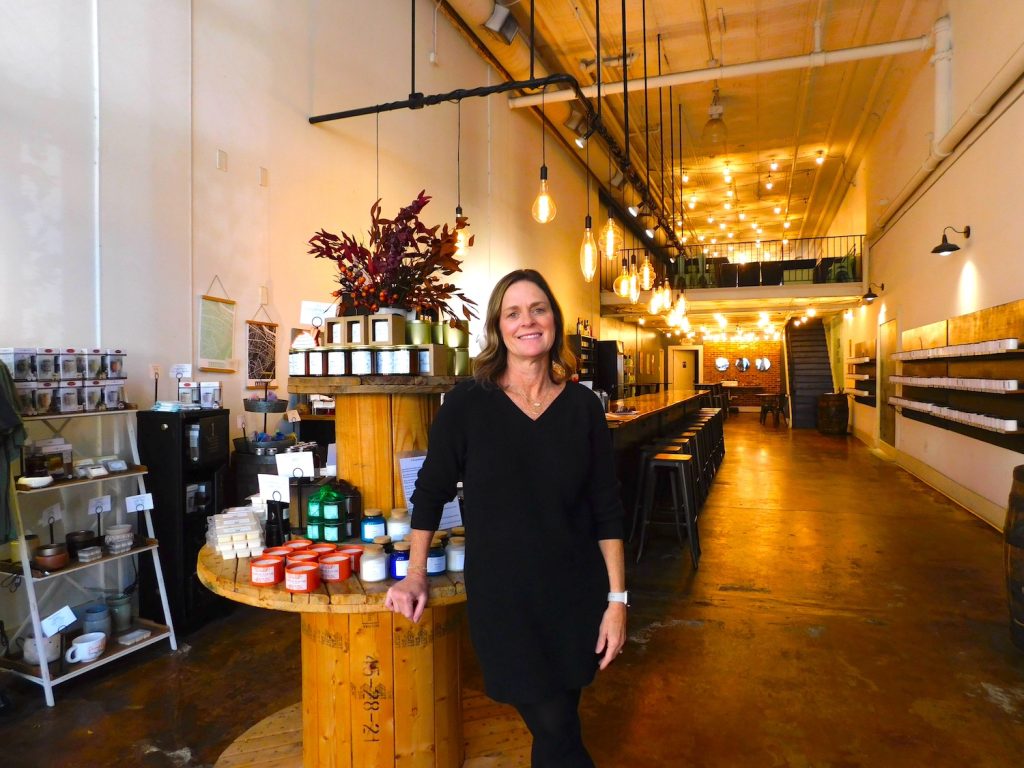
[{"x": 788, "y": 117}]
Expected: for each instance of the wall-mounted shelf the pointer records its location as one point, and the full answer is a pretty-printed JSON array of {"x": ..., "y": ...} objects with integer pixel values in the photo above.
[
  {"x": 862, "y": 370},
  {"x": 586, "y": 355},
  {"x": 859, "y": 360},
  {"x": 961, "y": 374}
]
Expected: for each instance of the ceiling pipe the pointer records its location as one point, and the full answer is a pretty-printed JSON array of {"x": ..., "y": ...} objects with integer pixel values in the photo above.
[
  {"x": 997, "y": 87},
  {"x": 708, "y": 74}
]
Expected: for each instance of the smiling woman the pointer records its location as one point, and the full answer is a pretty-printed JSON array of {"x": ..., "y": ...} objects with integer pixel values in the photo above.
[{"x": 534, "y": 454}]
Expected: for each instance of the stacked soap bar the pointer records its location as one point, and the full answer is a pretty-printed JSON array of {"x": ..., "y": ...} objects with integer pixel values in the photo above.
[
  {"x": 951, "y": 382},
  {"x": 993, "y": 347},
  {"x": 235, "y": 533},
  {"x": 980, "y": 420}
]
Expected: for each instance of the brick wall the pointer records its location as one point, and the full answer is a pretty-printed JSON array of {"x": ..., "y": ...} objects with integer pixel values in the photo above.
[{"x": 767, "y": 381}]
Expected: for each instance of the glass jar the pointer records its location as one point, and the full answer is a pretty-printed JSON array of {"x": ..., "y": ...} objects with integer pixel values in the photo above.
[
  {"x": 398, "y": 562},
  {"x": 314, "y": 529},
  {"x": 373, "y": 525},
  {"x": 120, "y": 607},
  {"x": 455, "y": 554},
  {"x": 330, "y": 506},
  {"x": 373, "y": 565},
  {"x": 331, "y": 532},
  {"x": 435, "y": 560},
  {"x": 398, "y": 524}
]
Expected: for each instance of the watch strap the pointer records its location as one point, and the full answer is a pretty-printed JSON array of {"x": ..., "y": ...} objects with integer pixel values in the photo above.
[{"x": 619, "y": 597}]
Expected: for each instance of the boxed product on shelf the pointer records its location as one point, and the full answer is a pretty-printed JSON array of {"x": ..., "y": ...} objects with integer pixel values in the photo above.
[
  {"x": 70, "y": 396},
  {"x": 71, "y": 363},
  {"x": 26, "y": 392},
  {"x": 113, "y": 394},
  {"x": 46, "y": 397},
  {"x": 235, "y": 533},
  {"x": 20, "y": 361},
  {"x": 113, "y": 363},
  {"x": 47, "y": 368}
]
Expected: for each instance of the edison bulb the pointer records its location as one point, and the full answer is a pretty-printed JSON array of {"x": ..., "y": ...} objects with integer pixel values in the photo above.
[
  {"x": 634, "y": 288},
  {"x": 611, "y": 239},
  {"x": 543, "y": 209},
  {"x": 621, "y": 284},
  {"x": 588, "y": 252},
  {"x": 647, "y": 275}
]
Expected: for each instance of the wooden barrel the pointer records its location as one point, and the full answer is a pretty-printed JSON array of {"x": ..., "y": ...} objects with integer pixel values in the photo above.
[
  {"x": 1013, "y": 550},
  {"x": 833, "y": 414}
]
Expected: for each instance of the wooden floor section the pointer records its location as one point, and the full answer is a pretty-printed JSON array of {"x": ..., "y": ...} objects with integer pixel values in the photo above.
[{"x": 495, "y": 738}]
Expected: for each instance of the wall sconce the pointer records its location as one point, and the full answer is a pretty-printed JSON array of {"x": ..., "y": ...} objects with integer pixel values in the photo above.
[
  {"x": 870, "y": 296},
  {"x": 945, "y": 247}
]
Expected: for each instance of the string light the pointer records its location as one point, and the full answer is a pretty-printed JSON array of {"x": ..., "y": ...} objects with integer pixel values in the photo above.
[
  {"x": 820, "y": 159},
  {"x": 774, "y": 165}
]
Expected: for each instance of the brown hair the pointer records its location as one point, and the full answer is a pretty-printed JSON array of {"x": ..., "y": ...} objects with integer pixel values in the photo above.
[{"x": 493, "y": 358}]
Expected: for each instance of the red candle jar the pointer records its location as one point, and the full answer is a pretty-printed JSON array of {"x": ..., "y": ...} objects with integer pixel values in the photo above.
[
  {"x": 302, "y": 577},
  {"x": 302, "y": 556},
  {"x": 354, "y": 551},
  {"x": 266, "y": 571},
  {"x": 335, "y": 567},
  {"x": 324, "y": 548}
]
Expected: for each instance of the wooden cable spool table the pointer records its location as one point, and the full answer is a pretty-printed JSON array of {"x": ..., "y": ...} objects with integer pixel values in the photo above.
[{"x": 377, "y": 690}]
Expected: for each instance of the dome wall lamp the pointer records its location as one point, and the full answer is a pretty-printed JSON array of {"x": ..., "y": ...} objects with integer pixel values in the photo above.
[
  {"x": 945, "y": 247},
  {"x": 870, "y": 296}
]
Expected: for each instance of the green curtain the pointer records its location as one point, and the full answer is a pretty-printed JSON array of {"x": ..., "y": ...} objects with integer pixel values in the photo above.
[{"x": 833, "y": 338}]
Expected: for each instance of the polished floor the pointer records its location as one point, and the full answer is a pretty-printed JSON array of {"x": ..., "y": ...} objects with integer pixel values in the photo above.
[{"x": 844, "y": 614}]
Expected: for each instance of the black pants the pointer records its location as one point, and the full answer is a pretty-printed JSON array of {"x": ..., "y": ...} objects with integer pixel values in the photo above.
[{"x": 555, "y": 727}]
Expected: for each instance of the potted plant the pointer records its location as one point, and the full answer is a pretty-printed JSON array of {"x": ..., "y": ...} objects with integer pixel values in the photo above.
[{"x": 403, "y": 265}]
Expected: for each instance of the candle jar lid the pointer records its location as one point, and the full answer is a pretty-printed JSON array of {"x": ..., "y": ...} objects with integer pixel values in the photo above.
[
  {"x": 402, "y": 546},
  {"x": 381, "y": 540}
]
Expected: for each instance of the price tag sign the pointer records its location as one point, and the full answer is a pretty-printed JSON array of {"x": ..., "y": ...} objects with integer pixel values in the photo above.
[
  {"x": 240, "y": 421},
  {"x": 292, "y": 415},
  {"x": 138, "y": 502},
  {"x": 295, "y": 464},
  {"x": 99, "y": 504},
  {"x": 55, "y": 512},
  {"x": 55, "y": 622},
  {"x": 181, "y": 371},
  {"x": 310, "y": 309},
  {"x": 273, "y": 484}
]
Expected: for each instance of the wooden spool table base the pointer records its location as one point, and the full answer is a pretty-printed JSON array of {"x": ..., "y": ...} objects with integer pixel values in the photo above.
[{"x": 377, "y": 690}]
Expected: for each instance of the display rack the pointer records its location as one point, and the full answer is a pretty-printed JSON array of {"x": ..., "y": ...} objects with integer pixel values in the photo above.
[
  {"x": 32, "y": 576},
  {"x": 963, "y": 374},
  {"x": 861, "y": 375},
  {"x": 583, "y": 347}
]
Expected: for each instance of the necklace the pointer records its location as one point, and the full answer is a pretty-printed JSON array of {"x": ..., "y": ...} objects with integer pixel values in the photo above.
[{"x": 534, "y": 405}]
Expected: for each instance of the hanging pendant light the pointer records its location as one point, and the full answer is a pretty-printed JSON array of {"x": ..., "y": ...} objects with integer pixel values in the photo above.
[
  {"x": 634, "y": 281},
  {"x": 588, "y": 248},
  {"x": 647, "y": 273},
  {"x": 611, "y": 238},
  {"x": 463, "y": 239},
  {"x": 621, "y": 285},
  {"x": 543, "y": 209}
]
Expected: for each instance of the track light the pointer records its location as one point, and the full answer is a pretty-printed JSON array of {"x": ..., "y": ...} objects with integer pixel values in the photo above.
[
  {"x": 945, "y": 247},
  {"x": 870, "y": 296},
  {"x": 581, "y": 141},
  {"x": 651, "y": 230}
]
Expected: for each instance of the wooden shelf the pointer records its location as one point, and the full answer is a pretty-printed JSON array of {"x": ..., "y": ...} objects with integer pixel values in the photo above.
[
  {"x": 859, "y": 393},
  {"x": 60, "y": 485},
  {"x": 113, "y": 650},
  {"x": 76, "y": 566},
  {"x": 937, "y": 382},
  {"x": 83, "y": 414},
  {"x": 953, "y": 351},
  {"x": 948, "y": 414},
  {"x": 860, "y": 376},
  {"x": 399, "y": 384},
  {"x": 860, "y": 360}
]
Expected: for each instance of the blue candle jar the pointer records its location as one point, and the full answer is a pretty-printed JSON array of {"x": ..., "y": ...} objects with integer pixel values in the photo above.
[
  {"x": 398, "y": 561},
  {"x": 373, "y": 525},
  {"x": 435, "y": 560}
]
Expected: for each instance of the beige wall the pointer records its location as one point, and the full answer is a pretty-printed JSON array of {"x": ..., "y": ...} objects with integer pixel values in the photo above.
[{"x": 979, "y": 185}]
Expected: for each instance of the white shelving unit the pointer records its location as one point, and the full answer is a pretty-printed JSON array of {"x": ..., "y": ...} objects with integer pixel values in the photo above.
[{"x": 32, "y": 577}]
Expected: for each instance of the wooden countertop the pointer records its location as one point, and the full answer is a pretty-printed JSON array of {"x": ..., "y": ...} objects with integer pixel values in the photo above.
[
  {"x": 650, "y": 405},
  {"x": 372, "y": 385},
  {"x": 230, "y": 579}
]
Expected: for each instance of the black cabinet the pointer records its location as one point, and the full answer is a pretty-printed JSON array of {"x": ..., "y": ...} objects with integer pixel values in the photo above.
[
  {"x": 583, "y": 348},
  {"x": 187, "y": 456}
]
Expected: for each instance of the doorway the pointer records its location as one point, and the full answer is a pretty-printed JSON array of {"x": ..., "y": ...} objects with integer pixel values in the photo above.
[
  {"x": 887, "y": 344},
  {"x": 682, "y": 368}
]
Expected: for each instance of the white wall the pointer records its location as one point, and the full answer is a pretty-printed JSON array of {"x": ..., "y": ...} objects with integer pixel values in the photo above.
[
  {"x": 178, "y": 80},
  {"x": 980, "y": 187}
]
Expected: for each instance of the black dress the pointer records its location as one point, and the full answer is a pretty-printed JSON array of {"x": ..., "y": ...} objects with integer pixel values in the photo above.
[{"x": 538, "y": 496}]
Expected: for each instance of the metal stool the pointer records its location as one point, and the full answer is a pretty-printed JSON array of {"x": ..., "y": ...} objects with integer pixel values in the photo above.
[
  {"x": 646, "y": 453},
  {"x": 680, "y": 473}
]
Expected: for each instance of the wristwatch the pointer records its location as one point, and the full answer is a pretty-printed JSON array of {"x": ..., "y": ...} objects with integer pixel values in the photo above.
[{"x": 619, "y": 597}]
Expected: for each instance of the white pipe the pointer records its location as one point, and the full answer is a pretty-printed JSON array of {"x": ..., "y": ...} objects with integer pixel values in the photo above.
[
  {"x": 97, "y": 253},
  {"x": 816, "y": 59},
  {"x": 996, "y": 88},
  {"x": 942, "y": 60}
]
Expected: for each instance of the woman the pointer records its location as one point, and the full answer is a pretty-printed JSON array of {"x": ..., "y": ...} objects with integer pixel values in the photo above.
[{"x": 545, "y": 575}]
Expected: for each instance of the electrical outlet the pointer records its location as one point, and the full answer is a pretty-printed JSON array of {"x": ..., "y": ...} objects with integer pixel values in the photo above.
[{"x": 154, "y": 370}]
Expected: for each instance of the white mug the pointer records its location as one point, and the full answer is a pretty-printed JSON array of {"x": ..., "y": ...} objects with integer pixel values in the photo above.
[
  {"x": 51, "y": 647},
  {"x": 87, "y": 647}
]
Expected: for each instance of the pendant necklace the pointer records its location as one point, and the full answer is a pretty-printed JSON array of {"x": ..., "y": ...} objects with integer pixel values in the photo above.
[{"x": 534, "y": 405}]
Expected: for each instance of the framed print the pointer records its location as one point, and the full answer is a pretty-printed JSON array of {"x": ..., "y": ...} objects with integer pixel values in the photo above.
[
  {"x": 260, "y": 354},
  {"x": 216, "y": 334}
]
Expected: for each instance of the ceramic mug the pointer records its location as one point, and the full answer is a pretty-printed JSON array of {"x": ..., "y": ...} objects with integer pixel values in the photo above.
[
  {"x": 87, "y": 647},
  {"x": 51, "y": 647}
]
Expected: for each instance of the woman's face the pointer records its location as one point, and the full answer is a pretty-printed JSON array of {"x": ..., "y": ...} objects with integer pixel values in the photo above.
[{"x": 527, "y": 323}]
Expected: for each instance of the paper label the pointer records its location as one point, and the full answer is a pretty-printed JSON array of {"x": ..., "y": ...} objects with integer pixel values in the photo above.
[
  {"x": 138, "y": 502},
  {"x": 292, "y": 416},
  {"x": 56, "y": 512},
  {"x": 99, "y": 504},
  {"x": 55, "y": 622},
  {"x": 295, "y": 464},
  {"x": 181, "y": 371},
  {"x": 410, "y": 463},
  {"x": 274, "y": 484},
  {"x": 310, "y": 309}
]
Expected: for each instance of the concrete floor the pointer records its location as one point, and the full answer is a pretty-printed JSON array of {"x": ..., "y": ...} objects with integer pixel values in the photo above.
[{"x": 844, "y": 614}]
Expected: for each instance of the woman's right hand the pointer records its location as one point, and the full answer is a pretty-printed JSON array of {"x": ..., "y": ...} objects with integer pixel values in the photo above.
[{"x": 409, "y": 596}]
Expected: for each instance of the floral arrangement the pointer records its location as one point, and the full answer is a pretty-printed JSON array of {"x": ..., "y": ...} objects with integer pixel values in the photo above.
[{"x": 403, "y": 266}]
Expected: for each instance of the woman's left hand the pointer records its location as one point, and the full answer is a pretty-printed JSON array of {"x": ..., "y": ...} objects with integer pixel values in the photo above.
[{"x": 612, "y": 636}]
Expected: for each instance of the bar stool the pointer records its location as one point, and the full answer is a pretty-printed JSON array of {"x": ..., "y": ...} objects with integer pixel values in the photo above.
[
  {"x": 646, "y": 453},
  {"x": 679, "y": 469},
  {"x": 688, "y": 444}
]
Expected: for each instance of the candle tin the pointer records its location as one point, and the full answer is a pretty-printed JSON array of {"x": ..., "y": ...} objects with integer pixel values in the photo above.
[
  {"x": 302, "y": 556},
  {"x": 354, "y": 552},
  {"x": 265, "y": 571},
  {"x": 276, "y": 552},
  {"x": 335, "y": 567},
  {"x": 297, "y": 544},
  {"x": 302, "y": 577},
  {"x": 324, "y": 548}
]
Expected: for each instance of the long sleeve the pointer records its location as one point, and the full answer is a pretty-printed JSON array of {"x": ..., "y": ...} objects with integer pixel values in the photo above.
[
  {"x": 442, "y": 469},
  {"x": 605, "y": 492}
]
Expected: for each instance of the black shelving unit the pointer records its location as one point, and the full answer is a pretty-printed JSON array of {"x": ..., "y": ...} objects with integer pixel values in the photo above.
[
  {"x": 187, "y": 453},
  {"x": 583, "y": 348}
]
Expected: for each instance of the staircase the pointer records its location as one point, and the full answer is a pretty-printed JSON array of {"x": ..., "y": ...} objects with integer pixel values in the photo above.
[{"x": 810, "y": 374}]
